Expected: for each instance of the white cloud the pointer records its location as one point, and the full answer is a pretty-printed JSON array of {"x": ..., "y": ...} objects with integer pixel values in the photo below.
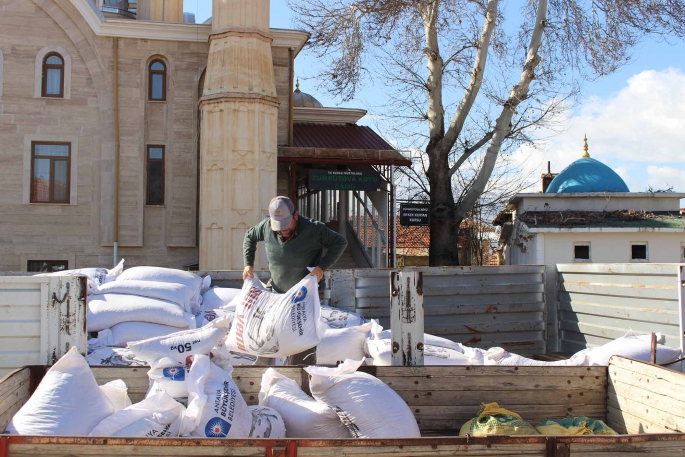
[
  {"x": 660, "y": 178},
  {"x": 639, "y": 131},
  {"x": 633, "y": 182}
]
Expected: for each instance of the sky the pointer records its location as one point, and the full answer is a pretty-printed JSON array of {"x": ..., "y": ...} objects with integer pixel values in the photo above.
[{"x": 634, "y": 118}]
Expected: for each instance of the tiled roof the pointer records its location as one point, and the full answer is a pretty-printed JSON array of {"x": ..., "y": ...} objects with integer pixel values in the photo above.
[
  {"x": 414, "y": 240},
  {"x": 337, "y": 136}
]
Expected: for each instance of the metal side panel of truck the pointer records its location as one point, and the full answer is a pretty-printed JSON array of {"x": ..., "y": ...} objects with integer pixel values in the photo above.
[{"x": 41, "y": 318}]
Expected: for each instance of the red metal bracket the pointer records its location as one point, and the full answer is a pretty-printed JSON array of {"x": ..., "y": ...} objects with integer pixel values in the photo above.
[
  {"x": 4, "y": 446},
  {"x": 287, "y": 449}
]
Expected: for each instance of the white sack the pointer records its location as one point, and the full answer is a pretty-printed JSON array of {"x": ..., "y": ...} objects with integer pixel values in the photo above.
[
  {"x": 205, "y": 316},
  {"x": 365, "y": 404},
  {"x": 234, "y": 359},
  {"x": 475, "y": 355},
  {"x": 168, "y": 375},
  {"x": 96, "y": 276},
  {"x": 122, "y": 334},
  {"x": 225, "y": 358},
  {"x": 117, "y": 393},
  {"x": 216, "y": 408},
  {"x": 165, "y": 275},
  {"x": 219, "y": 297},
  {"x": 182, "y": 344},
  {"x": 68, "y": 401},
  {"x": 304, "y": 417},
  {"x": 108, "y": 310},
  {"x": 381, "y": 352},
  {"x": 172, "y": 292},
  {"x": 631, "y": 346},
  {"x": 274, "y": 325},
  {"x": 206, "y": 284},
  {"x": 340, "y": 344},
  {"x": 499, "y": 356},
  {"x": 158, "y": 416},
  {"x": 266, "y": 423},
  {"x": 377, "y": 332},
  {"x": 113, "y": 357},
  {"x": 339, "y": 318}
]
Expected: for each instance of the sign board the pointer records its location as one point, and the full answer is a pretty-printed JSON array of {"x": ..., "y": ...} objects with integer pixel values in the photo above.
[
  {"x": 345, "y": 180},
  {"x": 414, "y": 214}
]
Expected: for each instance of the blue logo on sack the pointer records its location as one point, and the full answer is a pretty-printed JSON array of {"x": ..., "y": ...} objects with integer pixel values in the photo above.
[
  {"x": 217, "y": 428},
  {"x": 300, "y": 295},
  {"x": 174, "y": 373}
]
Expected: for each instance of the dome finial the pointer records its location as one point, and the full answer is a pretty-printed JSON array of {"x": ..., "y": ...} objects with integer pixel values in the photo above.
[
  {"x": 586, "y": 154},
  {"x": 297, "y": 86}
]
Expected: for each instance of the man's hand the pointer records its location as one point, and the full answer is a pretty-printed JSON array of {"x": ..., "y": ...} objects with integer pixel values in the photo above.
[
  {"x": 248, "y": 271},
  {"x": 318, "y": 272}
]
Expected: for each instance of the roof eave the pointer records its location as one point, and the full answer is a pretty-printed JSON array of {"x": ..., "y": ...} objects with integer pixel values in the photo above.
[
  {"x": 303, "y": 114},
  {"x": 342, "y": 156},
  {"x": 533, "y": 229},
  {"x": 518, "y": 197}
]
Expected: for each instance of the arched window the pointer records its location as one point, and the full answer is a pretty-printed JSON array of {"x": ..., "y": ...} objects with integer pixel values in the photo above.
[
  {"x": 53, "y": 76},
  {"x": 157, "y": 82}
]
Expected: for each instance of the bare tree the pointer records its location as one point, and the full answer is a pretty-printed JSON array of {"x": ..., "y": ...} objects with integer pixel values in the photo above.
[{"x": 433, "y": 56}]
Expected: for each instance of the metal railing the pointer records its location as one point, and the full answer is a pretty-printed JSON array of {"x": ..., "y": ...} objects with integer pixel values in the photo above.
[
  {"x": 362, "y": 218},
  {"x": 369, "y": 228},
  {"x": 321, "y": 205}
]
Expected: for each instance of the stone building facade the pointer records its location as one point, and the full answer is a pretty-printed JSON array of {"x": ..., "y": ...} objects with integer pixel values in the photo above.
[{"x": 79, "y": 229}]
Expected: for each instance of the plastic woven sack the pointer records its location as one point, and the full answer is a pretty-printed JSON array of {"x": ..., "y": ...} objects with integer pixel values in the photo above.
[
  {"x": 268, "y": 324},
  {"x": 68, "y": 401},
  {"x": 304, "y": 417},
  {"x": 364, "y": 403},
  {"x": 266, "y": 423},
  {"x": 493, "y": 420},
  {"x": 574, "y": 426}
]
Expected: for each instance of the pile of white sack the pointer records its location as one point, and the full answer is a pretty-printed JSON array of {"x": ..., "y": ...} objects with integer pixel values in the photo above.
[
  {"x": 199, "y": 398},
  {"x": 150, "y": 302},
  {"x": 441, "y": 351},
  {"x": 138, "y": 305}
]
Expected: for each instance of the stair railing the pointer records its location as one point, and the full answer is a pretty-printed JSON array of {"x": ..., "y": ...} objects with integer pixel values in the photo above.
[{"x": 366, "y": 224}]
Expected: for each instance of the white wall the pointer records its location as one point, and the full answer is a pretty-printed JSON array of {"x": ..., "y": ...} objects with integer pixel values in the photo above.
[{"x": 614, "y": 247}]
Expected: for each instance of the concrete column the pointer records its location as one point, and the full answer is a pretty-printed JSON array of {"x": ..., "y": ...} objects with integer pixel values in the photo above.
[
  {"x": 160, "y": 10},
  {"x": 239, "y": 118},
  {"x": 343, "y": 212}
]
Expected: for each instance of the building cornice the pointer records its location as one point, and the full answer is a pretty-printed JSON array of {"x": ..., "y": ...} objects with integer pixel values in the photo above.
[
  {"x": 292, "y": 39},
  {"x": 327, "y": 115},
  {"x": 615, "y": 195},
  {"x": 604, "y": 229}
]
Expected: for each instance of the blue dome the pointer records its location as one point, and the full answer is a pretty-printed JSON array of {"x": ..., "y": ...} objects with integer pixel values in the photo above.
[{"x": 587, "y": 175}]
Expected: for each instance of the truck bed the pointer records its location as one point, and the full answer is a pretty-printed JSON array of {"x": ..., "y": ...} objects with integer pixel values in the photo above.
[{"x": 644, "y": 402}]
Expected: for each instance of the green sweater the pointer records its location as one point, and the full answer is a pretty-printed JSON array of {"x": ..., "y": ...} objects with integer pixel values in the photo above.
[{"x": 288, "y": 261}]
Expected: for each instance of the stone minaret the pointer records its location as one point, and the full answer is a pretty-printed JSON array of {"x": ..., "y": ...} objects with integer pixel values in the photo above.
[{"x": 238, "y": 140}]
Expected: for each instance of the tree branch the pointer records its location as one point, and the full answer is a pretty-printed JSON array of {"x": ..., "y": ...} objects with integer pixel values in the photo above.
[
  {"x": 436, "y": 112},
  {"x": 476, "y": 78},
  {"x": 469, "y": 151},
  {"x": 503, "y": 126}
]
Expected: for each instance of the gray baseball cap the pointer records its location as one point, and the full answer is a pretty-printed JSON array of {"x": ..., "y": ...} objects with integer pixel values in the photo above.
[{"x": 281, "y": 210}]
